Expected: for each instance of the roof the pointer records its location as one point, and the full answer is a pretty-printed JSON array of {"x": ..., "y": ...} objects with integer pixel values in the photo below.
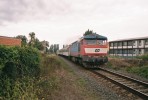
[
  {"x": 9, "y": 41},
  {"x": 128, "y": 39},
  {"x": 95, "y": 36}
]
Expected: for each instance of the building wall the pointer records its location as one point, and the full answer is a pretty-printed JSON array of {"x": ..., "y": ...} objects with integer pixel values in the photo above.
[
  {"x": 9, "y": 41},
  {"x": 128, "y": 48}
]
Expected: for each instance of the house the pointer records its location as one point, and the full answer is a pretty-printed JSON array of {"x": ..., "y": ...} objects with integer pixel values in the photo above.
[{"x": 9, "y": 41}]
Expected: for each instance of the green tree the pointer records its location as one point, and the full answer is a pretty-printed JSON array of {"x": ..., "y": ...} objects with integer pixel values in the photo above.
[
  {"x": 51, "y": 49},
  {"x": 37, "y": 44},
  {"x": 88, "y": 32},
  {"x": 32, "y": 38},
  {"x": 23, "y": 38}
]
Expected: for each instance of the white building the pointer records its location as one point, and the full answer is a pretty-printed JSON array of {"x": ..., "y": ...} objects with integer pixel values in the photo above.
[{"x": 129, "y": 47}]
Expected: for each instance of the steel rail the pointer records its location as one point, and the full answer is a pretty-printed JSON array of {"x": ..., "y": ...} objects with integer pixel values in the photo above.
[
  {"x": 132, "y": 90},
  {"x": 126, "y": 77}
]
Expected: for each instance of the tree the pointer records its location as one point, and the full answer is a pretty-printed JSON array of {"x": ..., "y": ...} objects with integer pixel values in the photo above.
[
  {"x": 32, "y": 38},
  {"x": 54, "y": 48},
  {"x": 37, "y": 44},
  {"x": 88, "y": 32},
  {"x": 51, "y": 48},
  {"x": 23, "y": 38},
  {"x": 45, "y": 46}
]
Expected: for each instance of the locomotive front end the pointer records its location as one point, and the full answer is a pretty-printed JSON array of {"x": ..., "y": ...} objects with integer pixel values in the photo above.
[{"x": 94, "y": 50}]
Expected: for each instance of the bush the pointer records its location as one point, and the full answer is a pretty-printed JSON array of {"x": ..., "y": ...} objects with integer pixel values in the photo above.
[
  {"x": 29, "y": 61},
  {"x": 17, "y": 63}
]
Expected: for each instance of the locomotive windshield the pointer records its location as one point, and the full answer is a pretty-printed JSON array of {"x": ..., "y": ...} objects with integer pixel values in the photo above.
[
  {"x": 95, "y": 39},
  {"x": 94, "y": 42}
]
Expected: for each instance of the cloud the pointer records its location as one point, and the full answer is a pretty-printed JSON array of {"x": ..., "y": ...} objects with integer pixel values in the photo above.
[
  {"x": 17, "y": 10},
  {"x": 70, "y": 18},
  {"x": 28, "y": 10}
]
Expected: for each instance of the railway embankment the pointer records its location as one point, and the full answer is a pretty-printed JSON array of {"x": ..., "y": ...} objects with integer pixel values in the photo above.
[
  {"x": 135, "y": 68},
  {"x": 59, "y": 82},
  {"x": 25, "y": 74}
]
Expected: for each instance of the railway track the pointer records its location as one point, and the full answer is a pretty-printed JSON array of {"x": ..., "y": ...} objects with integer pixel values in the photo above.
[{"x": 134, "y": 86}]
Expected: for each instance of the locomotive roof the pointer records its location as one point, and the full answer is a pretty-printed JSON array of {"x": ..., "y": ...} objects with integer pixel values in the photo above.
[{"x": 95, "y": 36}]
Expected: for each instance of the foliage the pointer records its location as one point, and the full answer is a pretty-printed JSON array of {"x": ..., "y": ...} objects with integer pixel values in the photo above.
[
  {"x": 17, "y": 64},
  {"x": 136, "y": 66},
  {"x": 19, "y": 60},
  {"x": 37, "y": 44},
  {"x": 142, "y": 71},
  {"x": 53, "y": 48},
  {"x": 143, "y": 57},
  {"x": 34, "y": 42},
  {"x": 49, "y": 65},
  {"x": 20, "y": 89},
  {"x": 88, "y": 32},
  {"x": 23, "y": 38},
  {"x": 32, "y": 38}
]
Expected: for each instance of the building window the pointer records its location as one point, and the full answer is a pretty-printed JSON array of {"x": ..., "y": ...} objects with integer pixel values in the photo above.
[
  {"x": 124, "y": 43},
  {"x": 111, "y": 44},
  {"x": 140, "y": 52},
  {"x": 110, "y": 51},
  {"x": 115, "y": 51},
  {"x": 146, "y": 42},
  {"x": 115, "y": 44},
  {"x": 134, "y": 51},
  {"x": 134, "y": 43},
  {"x": 119, "y": 43},
  {"x": 130, "y": 51},
  {"x": 130, "y": 43},
  {"x": 124, "y": 51},
  {"x": 119, "y": 51},
  {"x": 146, "y": 51},
  {"x": 139, "y": 42}
]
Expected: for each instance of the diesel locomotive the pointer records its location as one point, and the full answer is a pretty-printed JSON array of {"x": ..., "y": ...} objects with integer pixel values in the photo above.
[{"x": 90, "y": 50}]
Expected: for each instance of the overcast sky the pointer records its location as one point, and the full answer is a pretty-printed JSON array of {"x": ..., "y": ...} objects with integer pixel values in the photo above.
[{"x": 63, "y": 21}]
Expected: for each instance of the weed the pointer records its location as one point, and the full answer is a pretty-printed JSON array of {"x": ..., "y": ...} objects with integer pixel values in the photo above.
[{"x": 142, "y": 71}]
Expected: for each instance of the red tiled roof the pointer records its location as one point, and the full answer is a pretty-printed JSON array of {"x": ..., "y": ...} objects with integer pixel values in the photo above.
[{"x": 9, "y": 41}]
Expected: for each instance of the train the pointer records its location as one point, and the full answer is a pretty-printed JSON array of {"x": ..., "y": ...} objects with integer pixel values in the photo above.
[{"x": 89, "y": 50}]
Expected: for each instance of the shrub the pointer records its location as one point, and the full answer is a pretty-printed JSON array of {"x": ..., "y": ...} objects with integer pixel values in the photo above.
[
  {"x": 142, "y": 71},
  {"x": 17, "y": 63}
]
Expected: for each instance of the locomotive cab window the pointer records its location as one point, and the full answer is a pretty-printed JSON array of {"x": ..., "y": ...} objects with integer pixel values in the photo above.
[
  {"x": 95, "y": 42},
  {"x": 90, "y": 42}
]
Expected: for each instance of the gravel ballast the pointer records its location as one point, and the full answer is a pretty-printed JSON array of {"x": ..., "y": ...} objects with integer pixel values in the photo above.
[{"x": 98, "y": 87}]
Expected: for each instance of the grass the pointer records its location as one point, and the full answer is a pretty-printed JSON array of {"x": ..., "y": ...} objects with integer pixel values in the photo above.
[
  {"x": 75, "y": 85},
  {"x": 134, "y": 66},
  {"x": 141, "y": 71},
  {"x": 59, "y": 82},
  {"x": 56, "y": 81}
]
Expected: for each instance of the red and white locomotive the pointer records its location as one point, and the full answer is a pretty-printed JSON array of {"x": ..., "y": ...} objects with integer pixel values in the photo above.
[{"x": 90, "y": 50}]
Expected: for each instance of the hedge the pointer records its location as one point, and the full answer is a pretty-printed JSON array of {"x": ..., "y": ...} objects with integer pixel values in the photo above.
[{"x": 17, "y": 63}]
